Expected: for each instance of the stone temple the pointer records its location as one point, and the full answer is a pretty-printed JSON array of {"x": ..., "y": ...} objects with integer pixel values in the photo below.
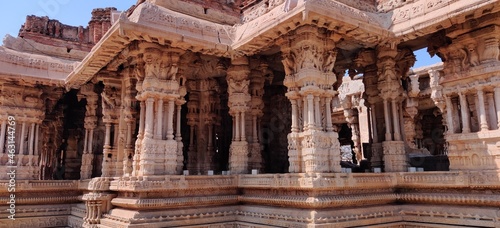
[{"x": 254, "y": 113}]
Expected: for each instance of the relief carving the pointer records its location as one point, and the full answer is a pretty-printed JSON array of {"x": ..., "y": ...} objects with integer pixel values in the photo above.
[{"x": 110, "y": 97}]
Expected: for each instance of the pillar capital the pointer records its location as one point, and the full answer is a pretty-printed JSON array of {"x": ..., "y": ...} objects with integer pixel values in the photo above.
[
  {"x": 309, "y": 57},
  {"x": 238, "y": 85}
]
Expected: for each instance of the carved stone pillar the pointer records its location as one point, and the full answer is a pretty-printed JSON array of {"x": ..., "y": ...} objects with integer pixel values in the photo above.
[
  {"x": 412, "y": 110},
  {"x": 37, "y": 136},
  {"x": 237, "y": 125},
  {"x": 310, "y": 112},
  {"x": 373, "y": 124},
  {"x": 294, "y": 148},
  {"x": 107, "y": 154},
  {"x": 392, "y": 64},
  {"x": 295, "y": 115},
  {"x": 140, "y": 137},
  {"x": 159, "y": 119},
  {"x": 365, "y": 62},
  {"x": 157, "y": 83},
  {"x": 97, "y": 203},
  {"x": 111, "y": 109},
  {"x": 464, "y": 108},
  {"x": 129, "y": 149},
  {"x": 387, "y": 118},
  {"x": 170, "y": 119},
  {"x": 351, "y": 104},
  {"x": 90, "y": 123},
  {"x": 308, "y": 59},
  {"x": 3, "y": 131},
  {"x": 317, "y": 113},
  {"x": 178, "y": 136},
  {"x": 22, "y": 141},
  {"x": 193, "y": 120},
  {"x": 239, "y": 97},
  {"x": 483, "y": 123},
  {"x": 305, "y": 118},
  {"x": 353, "y": 123},
  {"x": 31, "y": 139},
  {"x": 127, "y": 124},
  {"x": 492, "y": 120},
  {"x": 149, "y": 123},
  {"x": 395, "y": 119},
  {"x": 257, "y": 80},
  {"x": 449, "y": 115},
  {"x": 328, "y": 105},
  {"x": 497, "y": 104}
]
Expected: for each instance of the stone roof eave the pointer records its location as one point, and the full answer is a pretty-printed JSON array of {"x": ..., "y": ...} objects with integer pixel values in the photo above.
[
  {"x": 97, "y": 58},
  {"x": 32, "y": 68},
  {"x": 126, "y": 30},
  {"x": 408, "y": 26},
  {"x": 258, "y": 33}
]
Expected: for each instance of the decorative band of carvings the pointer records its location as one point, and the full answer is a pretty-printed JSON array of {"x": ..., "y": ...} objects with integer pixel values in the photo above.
[
  {"x": 43, "y": 200},
  {"x": 463, "y": 216},
  {"x": 305, "y": 182},
  {"x": 47, "y": 221},
  {"x": 174, "y": 182},
  {"x": 286, "y": 217},
  {"x": 36, "y": 61},
  {"x": 321, "y": 202},
  {"x": 451, "y": 199},
  {"x": 180, "y": 217},
  {"x": 312, "y": 218},
  {"x": 40, "y": 186},
  {"x": 75, "y": 222},
  {"x": 174, "y": 202},
  {"x": 36, "y": 210}
]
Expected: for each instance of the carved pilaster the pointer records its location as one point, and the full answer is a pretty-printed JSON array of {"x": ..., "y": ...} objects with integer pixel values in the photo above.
[
  {"x": 393, "y": 64},
  {"x": 203, "y": 109},
  {"x": 257, "y": 81},
  {"x": 90, "y": 123},
  {"x": 97, "y": 202},
  {"x": 308, "y": 58},
  {"x": 159, "y": 88},
  {"x": 178, "y": 135},
  {"x": 192, "y": 121},
  {"x": 239, "y": 97},
  {"x": 365, "y": 62},
  {"x": 127, "y": 122},
  {"x": 111, "y": 103},
  {"x": 51, "y": 139},
  {"x": 350, "y": 92}
]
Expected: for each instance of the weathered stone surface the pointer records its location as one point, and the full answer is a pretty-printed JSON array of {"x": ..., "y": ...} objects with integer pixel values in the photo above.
[{"x": 224, "y": 91}]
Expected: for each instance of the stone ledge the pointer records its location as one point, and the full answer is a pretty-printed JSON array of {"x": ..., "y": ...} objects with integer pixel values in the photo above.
[
  {"x": 172, "y": 182},
  {"x": 474, "y": 136},
  {"x": 45, "y": 221},
  {"x": 299, "y": 181},
  {"x": 40, "y": 185},
  {"x": 321, "y": 201},
  {"x": 167, "y": 203}
]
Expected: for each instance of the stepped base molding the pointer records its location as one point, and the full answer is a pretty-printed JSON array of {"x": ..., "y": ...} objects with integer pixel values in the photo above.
[
  {"x": 474, "y": 151},
  {"x": 266, "y": 200}
]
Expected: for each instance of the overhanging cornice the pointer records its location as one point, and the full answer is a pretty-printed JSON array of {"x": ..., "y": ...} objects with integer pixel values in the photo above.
[{"x": 153, "y": 23}]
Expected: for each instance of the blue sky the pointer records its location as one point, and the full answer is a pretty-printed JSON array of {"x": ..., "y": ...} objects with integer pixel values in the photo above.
[{"x": 71, "y": 12}]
